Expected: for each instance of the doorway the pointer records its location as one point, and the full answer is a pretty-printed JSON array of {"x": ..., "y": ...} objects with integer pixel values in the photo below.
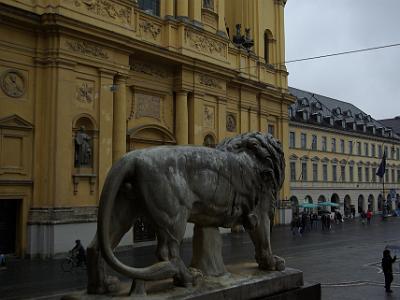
[{"x": 8, "y": 226}]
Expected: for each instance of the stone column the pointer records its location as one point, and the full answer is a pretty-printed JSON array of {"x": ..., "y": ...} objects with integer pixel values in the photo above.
[
  {"x": 221, "y": 18},
  {"x": 119, "y": 118},
  {"x": 169, "y": 8},
  {"x": 181, "y": 118},
  {"x": 182, "y": 9},
  {"x": 195, "y": 12}
]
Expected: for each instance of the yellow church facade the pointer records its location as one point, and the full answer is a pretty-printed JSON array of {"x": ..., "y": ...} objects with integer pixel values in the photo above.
[{"x": 84, "y": 81}]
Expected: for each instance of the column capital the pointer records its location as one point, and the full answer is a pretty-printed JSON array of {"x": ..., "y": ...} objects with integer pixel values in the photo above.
[
  {"x": 120, "y": 78},
  {"x": 280, "y": 2},
  {"x": 182, "y": 92}
]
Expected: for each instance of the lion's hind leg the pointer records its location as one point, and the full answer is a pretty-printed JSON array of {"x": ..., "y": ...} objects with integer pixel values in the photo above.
[{"x": 169, "y": 242}]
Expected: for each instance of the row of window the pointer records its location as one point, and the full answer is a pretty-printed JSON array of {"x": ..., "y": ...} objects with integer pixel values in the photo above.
[
  {"x": 364, "y": 174},
  {"x": 153, "y": 6},
  {"x": 365, "y": 149}
]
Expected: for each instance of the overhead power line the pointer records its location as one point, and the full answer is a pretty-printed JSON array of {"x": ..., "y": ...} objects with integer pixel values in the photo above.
[{"x": 343, "y": 53}]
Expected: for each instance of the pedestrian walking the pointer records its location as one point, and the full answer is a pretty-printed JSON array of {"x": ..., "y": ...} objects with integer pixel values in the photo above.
[
  {"x": 363, "y": 217},
  {"x": 369, "y": 217},
  {"x": 2, "y": 262},
  {"x": 387, "y": 262}
]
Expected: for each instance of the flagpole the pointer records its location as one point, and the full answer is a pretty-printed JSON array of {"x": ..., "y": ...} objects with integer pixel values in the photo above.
[{"x": 383, "y": 194}]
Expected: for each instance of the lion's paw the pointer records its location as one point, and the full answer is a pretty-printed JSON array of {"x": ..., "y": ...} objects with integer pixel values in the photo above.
[
  {"x": 198, "y": 276},
  {"x": 279, "y": 263},
  {"x": 112, "y": 284}
]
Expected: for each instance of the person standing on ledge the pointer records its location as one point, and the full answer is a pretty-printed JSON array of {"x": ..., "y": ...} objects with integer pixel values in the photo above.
[{"x": 387, "y": 262}]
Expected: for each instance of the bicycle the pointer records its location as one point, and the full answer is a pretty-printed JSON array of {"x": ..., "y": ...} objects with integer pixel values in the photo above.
[{"x": 71, "y": 262}]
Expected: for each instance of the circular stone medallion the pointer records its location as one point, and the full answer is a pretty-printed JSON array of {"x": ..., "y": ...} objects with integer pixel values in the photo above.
[{"x": 13, "y": 83}]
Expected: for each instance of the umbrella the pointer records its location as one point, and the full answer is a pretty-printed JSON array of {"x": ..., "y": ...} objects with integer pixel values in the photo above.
[
  {"x": 328, "y": 204},
  {"x": 308, "y": 205}
]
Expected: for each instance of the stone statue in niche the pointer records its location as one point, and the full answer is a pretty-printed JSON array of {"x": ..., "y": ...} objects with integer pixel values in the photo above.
[
  {"x": 230, "y": 122},
  {"x": 235, "y": 183},
  {"x": 83, "y": 150}
]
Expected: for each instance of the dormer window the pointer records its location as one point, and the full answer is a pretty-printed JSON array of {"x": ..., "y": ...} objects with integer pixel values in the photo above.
[
  {"x": 351, "y": 125},
  {"x": 340, "y": 123},
  {"x": 290, "y": 112},
  {"x": 329, "y": 120},
  {"x": 359, "y": 116},
  {"x": 368, "y": 118},
  {"x": 348, "y": 113},
  {"x": 315, "y": 106},
  {"x": 302, "y": 114},
  {"x": 362, "y": 127},
  {"x": 337, "y": 111},
  {"x": 371, "y": 128},
  {"x": 303, "y": 102},
  {"x": 316, "y": 117}
]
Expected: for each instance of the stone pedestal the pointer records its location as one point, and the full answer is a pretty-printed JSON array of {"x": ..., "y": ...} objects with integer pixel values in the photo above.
[{"x": 243, "y": 282}]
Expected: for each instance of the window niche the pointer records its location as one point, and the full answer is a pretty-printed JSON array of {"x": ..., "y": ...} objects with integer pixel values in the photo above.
[
  {"x": 268, "y": 42},
  {"x": 84, "y": 143},
  {"x": 209, "y": 141},
  {"x": 208, "y": 4}
]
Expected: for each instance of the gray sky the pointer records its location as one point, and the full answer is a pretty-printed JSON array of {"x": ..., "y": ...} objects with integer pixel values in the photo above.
[{"x": 369, "y": 80}]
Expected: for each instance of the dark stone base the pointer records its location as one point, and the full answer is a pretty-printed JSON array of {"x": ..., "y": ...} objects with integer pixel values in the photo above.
[
  {"x": 243, "y": 282},
  {"x": 305, "y": 292}
]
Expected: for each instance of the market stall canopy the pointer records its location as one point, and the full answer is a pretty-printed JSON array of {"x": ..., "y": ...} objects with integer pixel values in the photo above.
[{"x": 328, "y": 204}]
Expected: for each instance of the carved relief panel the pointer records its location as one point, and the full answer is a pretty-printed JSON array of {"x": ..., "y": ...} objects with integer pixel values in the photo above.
[
  {"x": 85, "y": 92},
  {"x": 150, "y": 31},
  {"x": 12, "y": 83},
  {"x": 147, "y": 106},
  {"x": 107, "y": 10},
  {"x": 205, "y": 45}
]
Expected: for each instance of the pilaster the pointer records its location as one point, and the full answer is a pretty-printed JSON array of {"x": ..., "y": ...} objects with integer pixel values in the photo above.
[
  {"x": 181, "y": 118},
  {"x": 221, "y": 18},
  {"x": 182, "y": 9},
  {"x": 195, "y": 11},
  {"x": 119, "y": 118},
  {"x": 169, "y": 8},
  {"x": 106, "y": 125}
]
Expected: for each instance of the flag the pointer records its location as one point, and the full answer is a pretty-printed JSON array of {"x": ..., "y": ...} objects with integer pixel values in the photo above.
[{"x": 382, "y": 167}]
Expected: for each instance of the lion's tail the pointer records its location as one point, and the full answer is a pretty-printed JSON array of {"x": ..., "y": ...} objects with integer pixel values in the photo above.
[{"x": 120, "y": 171}]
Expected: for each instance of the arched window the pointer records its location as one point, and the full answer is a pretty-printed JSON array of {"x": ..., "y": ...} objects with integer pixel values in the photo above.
[
  {"x": 267, "y": 46},
  {"x": 209, "y": 141}
]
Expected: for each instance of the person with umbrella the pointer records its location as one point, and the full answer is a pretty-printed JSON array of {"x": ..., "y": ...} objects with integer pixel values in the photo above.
[{"x": 387, "y": 262}]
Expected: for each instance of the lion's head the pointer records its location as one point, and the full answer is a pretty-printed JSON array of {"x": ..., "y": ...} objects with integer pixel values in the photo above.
[{"x": 265, "y": 148}]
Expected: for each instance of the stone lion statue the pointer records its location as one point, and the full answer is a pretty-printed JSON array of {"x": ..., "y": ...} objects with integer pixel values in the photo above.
[{"x": 235, "y": 183}]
